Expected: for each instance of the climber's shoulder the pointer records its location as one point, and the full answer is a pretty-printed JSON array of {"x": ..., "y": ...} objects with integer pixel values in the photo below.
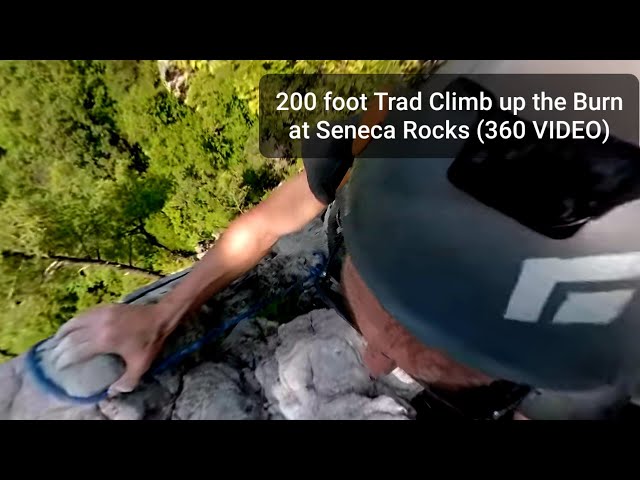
[
  {"x": 327, "y": 168},
  {"x": 328, "y": 162}
]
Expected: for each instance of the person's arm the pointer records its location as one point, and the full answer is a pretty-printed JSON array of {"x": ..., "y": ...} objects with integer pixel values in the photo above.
[
  {"x": 137, "y": 332},
  {"x": 244, "y": 243},
  {"x": 251, "y": 236}
]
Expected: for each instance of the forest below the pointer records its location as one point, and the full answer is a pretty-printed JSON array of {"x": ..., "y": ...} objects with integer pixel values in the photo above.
[{"x": 110, "y": 180}]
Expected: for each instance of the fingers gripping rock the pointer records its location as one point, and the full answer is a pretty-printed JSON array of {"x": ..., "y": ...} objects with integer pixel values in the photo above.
[{"x": 83, "y": 378}]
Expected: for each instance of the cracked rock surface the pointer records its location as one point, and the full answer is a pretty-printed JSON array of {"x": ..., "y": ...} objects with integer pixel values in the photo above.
[
  {"x": 316, "y": 372},
  {"x": 309, "y": 368},
  {"x": 306, "y": 366}
]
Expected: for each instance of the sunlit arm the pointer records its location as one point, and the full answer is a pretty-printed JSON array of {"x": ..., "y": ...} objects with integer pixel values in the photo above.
[
  {"x": 250, "y": 237},
  {"x": 245, "y": 242}
]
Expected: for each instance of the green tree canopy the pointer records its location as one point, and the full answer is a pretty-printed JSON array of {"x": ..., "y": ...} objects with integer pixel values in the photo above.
[{"x": 100, "y": 164}]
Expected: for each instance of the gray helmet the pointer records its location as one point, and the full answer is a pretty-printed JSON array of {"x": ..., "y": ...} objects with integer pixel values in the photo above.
[{"x": 495, "y": 293}]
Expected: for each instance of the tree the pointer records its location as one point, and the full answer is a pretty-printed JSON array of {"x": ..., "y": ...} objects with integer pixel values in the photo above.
[
  {"x": 100, "y": 163},
  {"x": 38, "y": 295}
]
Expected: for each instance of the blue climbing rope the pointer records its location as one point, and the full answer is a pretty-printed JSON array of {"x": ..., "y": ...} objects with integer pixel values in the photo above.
[
  {"x": 34, "y": 365},
  {"x": 314, "y": 274},
  {"x": 33, "y": 356}
]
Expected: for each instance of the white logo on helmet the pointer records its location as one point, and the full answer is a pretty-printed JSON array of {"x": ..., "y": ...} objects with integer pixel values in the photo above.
[{"x": 540, "y": 276}]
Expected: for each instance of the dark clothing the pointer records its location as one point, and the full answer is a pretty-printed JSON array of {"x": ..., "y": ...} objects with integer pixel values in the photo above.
[{"x": 325, "y": 174}]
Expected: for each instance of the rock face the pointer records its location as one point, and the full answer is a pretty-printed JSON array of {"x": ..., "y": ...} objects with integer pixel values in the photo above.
[
  {"x": 309, "y": 368},
  {"x": 316, "y": 372},
  {"x": 302, "y": 364},
  {"x": 81, "y": 379},
  {"x": 22, "y": 399},
  {"x": 174, "y": 79},
  {"x": 217, "y": 391}
]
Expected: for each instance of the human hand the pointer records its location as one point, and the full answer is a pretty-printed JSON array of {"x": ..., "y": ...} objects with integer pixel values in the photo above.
[{"x": 134, "y": 332}]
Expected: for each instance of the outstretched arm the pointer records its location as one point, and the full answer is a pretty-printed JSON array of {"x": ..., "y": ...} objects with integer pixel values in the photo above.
[
  {"x": 251, "y": 236},
  {"x": 137, "y": 332},
  {"x": 245, "y": 242}
]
